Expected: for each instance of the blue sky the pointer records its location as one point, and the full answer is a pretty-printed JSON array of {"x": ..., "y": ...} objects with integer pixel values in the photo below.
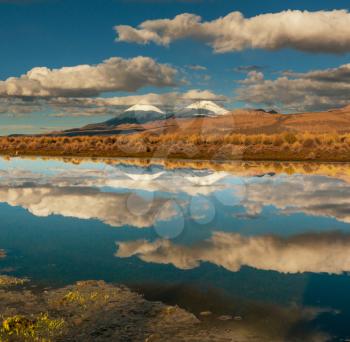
[{"x": 61, "y": 33}]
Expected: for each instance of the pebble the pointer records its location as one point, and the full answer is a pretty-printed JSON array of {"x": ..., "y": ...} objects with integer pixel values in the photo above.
[
  {"x": 205, "y": 313},
  {"x": 77, "y": 321},
  {"x": 225, "y": 317}
]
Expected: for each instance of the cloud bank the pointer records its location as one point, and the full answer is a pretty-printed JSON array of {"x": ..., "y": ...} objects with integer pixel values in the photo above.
[
  {"x": 172, "y": 98},
  {"x": 113, "y": 74},
  {"x": 321, "y": 31},
  {"x": 311, "y": 91},
  {"x": 85, "y": 106}
]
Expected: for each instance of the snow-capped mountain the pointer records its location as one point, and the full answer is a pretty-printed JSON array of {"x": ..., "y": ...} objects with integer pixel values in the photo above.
[
  {"x": 208, "y": 106},
  {"x": 202, "y": 108},
  {"x": 144, "y": 108},
  {"x": 138, "y": 113},
  {"x": 142, "y": 113}
]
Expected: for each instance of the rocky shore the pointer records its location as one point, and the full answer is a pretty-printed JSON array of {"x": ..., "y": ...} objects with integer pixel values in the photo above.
[{"x": 96, "y": 311}]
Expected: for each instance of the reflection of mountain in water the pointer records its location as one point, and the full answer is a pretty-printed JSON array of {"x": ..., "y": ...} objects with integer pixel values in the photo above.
[
  {"x": 156, "y": 169},
  {"x": 281, "y": 283},
  {"x": 43, "y": 191}
]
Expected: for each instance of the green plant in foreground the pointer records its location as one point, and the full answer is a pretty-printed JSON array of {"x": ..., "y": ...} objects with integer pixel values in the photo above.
[
  {"x": 84, "y": 299},
  {"x": 6, "y": 280},
  {"x": 36, "y": 329}
]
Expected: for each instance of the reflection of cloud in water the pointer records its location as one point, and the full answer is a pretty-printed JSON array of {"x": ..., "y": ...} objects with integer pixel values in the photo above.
[
  {"x": 285, "y": 323},
  {"x": 323, "y": 252},
  {"x": 312, "y": 195},
  {"x": 84, "y": 203},
  {"x": 202, "y": 210},
  {"x": 169, "y": 226},
  {"x": 174, "y": 186}
]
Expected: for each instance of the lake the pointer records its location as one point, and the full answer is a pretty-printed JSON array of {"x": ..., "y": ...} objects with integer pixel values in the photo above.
[{"x": 266, "y": 243}]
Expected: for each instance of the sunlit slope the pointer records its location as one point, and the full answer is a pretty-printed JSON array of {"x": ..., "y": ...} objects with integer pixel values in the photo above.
[{"x": 237, "y": 121}]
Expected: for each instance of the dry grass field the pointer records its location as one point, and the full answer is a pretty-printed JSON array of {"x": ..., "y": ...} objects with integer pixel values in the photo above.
[
  {"x": 240, "y": 135},
  {"x": 231, "y": 146}
]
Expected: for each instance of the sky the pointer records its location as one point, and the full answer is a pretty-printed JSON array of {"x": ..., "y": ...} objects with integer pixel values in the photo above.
[{"x": 67, "y": 63}]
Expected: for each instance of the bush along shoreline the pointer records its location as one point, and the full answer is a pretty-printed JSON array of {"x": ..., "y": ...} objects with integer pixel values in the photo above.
[{"x": 280, "y": 147}]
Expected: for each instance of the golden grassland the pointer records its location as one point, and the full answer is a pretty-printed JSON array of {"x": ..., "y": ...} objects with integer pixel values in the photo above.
[{"x": 285, "y": 146}]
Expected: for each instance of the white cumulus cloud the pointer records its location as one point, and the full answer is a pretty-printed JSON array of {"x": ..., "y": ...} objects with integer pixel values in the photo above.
[
  {"x": 113, "y": 74},
  {"x": 94, "y": 106},
  {"x": 310, "y": 91},
  {"x": 116, "y": 105},
  {"x": 320, "y": 31}
]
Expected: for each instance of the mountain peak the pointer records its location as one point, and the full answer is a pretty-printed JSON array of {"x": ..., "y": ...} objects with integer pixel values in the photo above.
[
  {"x": 208, "y": 106},
  {"x": 144, "y": 108}
]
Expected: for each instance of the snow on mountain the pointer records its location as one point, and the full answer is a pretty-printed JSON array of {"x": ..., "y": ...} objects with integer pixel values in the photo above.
[
  {"x": 144, "y": 108},
  {"x": 139, "y": 113},
  {"x": 207, "y": 106},
  {"x": 201, "y": 108},
  {"x": 142, "y": 113}
]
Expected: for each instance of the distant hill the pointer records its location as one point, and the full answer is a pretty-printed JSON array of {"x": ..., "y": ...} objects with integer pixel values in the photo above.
[
  {"x": 237, "y": 121},
  {"x": 257, "y": 122}
]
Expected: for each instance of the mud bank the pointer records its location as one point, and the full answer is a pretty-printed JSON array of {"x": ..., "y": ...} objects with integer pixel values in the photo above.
[{"x": 97, "y": 311}]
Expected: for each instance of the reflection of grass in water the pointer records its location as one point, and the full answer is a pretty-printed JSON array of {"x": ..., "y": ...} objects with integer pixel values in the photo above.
[
  {"x": 40, "y": 328},
  {"x": 236, "y": 168}
]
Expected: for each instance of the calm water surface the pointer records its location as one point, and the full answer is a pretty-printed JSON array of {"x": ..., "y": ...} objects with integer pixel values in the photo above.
[{"x": 266, "y": 243}]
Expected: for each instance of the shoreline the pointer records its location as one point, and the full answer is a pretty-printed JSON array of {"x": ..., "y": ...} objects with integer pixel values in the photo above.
[
  {"x": 165, "y": 160},
  {"x": 94, "y": 310},
  {"x": 177, "y": 157},
  {"x": 91, "y": 311}
]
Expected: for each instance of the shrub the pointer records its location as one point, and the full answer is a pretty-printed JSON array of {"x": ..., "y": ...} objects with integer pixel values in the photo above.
[
  {"x": 37, "y": 328},
  {"x": 290, "y": 138},
  {"x": 308, "y": 143}
]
